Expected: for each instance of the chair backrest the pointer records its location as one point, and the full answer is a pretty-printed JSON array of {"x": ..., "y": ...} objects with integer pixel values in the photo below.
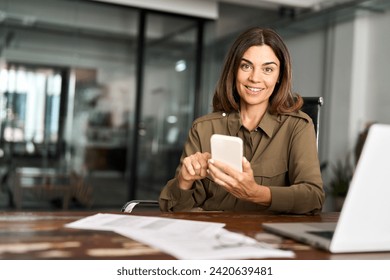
[{"x": 312, "y": 106}]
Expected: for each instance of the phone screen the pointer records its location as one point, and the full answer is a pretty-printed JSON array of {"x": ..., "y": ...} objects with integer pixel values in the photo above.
[{"x": 228, "y": 149}]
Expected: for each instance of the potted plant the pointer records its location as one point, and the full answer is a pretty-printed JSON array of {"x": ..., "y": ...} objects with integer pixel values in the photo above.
[{"x": 341, "y": 177}]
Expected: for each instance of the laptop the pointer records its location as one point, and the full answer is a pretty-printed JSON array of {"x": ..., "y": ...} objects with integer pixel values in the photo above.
[{"x": 364, "y": 222}]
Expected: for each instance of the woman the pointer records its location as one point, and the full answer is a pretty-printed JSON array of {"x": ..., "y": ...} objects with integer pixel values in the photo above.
[{"x": 253, "y": 100}]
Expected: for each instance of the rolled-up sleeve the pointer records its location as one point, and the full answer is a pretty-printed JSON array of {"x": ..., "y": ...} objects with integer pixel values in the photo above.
[
  {"x": 172, "y": 198},
  {"x": 304, "y": 193}
]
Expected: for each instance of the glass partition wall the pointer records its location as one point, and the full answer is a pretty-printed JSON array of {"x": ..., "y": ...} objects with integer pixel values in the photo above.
[
  {"x": 168, "y": 94},
  {"x": 95, "y": 94}
]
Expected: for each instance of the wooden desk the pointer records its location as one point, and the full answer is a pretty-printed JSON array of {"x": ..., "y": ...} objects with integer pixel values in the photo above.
[{"x": 42, "y": 235}]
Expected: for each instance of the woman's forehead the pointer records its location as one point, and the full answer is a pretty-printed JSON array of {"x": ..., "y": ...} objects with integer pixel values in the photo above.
[{"x": 260, "y": 54}]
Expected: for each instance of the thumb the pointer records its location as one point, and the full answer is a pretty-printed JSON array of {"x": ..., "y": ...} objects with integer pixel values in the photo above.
[{"x": 246, "y": 165}]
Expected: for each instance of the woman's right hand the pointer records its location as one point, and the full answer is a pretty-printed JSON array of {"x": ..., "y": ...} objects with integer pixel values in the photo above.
[{"x": 194, "y": 167}]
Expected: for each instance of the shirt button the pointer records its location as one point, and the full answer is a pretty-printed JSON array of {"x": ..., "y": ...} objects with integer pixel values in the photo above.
[{"x": 224, "y": 114}]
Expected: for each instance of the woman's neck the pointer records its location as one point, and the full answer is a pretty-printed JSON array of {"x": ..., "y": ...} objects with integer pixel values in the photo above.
[{"x": 251, "y": 116}]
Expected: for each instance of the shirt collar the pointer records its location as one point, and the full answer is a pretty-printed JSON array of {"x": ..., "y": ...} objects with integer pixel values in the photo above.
[
  {"x": 267, "y": 123},
  {"x": 234, "y": 123}
]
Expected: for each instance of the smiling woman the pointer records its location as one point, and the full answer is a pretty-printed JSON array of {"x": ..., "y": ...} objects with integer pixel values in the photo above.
[
  {"x": 253, "y": 100},
  {"x": 257, "y": 77}
]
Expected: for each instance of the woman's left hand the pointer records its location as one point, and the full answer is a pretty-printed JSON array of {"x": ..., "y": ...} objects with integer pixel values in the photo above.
[{"x": 240, "y": 184}]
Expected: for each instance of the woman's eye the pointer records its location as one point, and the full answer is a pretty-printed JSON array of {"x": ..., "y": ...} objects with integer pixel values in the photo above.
[
  {"x": 245, "y": 67},
  {"x": 268, "y": 70}
]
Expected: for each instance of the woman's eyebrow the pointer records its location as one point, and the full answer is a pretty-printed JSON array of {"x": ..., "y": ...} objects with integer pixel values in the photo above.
[
  {"x": 264, "y": 64},
  {"x": 248, "y": 61},
  {"x": 269, "y": 63}
]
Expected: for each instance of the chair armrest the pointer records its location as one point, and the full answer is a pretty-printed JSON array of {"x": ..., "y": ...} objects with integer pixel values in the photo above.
[{"x": 140, "y": 205}]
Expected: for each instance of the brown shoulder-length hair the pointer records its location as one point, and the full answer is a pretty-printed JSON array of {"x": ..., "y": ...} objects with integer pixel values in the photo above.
[{"x": 282, "y": 100}]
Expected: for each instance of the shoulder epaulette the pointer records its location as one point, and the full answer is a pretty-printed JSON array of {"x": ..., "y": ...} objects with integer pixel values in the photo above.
[
  {"x": 299, "y": 114},
  {"x": 211, "y": 116}
]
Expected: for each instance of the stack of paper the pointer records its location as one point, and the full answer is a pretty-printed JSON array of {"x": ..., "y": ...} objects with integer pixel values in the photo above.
[{"x": 183, "y": 239}]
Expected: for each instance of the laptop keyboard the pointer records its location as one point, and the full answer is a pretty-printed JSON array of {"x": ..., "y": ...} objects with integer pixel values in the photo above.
[{"x": 328, "y": 234}]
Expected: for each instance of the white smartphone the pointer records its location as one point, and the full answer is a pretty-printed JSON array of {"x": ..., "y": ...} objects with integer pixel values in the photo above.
[{"x": 228, "y": 149}]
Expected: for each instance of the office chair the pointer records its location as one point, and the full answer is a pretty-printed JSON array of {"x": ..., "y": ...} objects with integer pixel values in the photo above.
[
  {"x": 140, "y": 205},
  {"x": 311, "y": 106}
]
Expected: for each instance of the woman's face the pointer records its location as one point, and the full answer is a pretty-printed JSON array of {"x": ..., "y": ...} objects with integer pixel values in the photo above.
[{"x": 257, "y": 75}]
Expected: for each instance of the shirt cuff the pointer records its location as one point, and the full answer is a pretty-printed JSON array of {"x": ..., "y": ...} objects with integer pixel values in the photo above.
[
  {"x": 180, "y": 195},
  {"x": 282, "y": 199}
]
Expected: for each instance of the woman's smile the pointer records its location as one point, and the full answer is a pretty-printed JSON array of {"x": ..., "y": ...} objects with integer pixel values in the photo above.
[{"x": 254, "y": 90}]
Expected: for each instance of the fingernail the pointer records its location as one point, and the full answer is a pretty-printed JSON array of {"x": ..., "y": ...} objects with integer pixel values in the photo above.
[{"x": 211, "y": 161}]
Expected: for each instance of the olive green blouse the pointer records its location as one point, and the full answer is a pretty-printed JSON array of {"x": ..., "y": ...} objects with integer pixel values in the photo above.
[{"x": 283, "y": 155}]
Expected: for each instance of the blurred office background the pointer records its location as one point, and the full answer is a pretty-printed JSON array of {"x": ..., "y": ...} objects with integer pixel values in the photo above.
[{"x": 96, "y": 97}]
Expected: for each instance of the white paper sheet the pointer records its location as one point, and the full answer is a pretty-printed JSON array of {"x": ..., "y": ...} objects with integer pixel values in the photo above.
[{"x": 183, "y": 239}]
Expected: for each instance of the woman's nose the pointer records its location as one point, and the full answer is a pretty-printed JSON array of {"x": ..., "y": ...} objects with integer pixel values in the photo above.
[{"x": 255, "y": 76}]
